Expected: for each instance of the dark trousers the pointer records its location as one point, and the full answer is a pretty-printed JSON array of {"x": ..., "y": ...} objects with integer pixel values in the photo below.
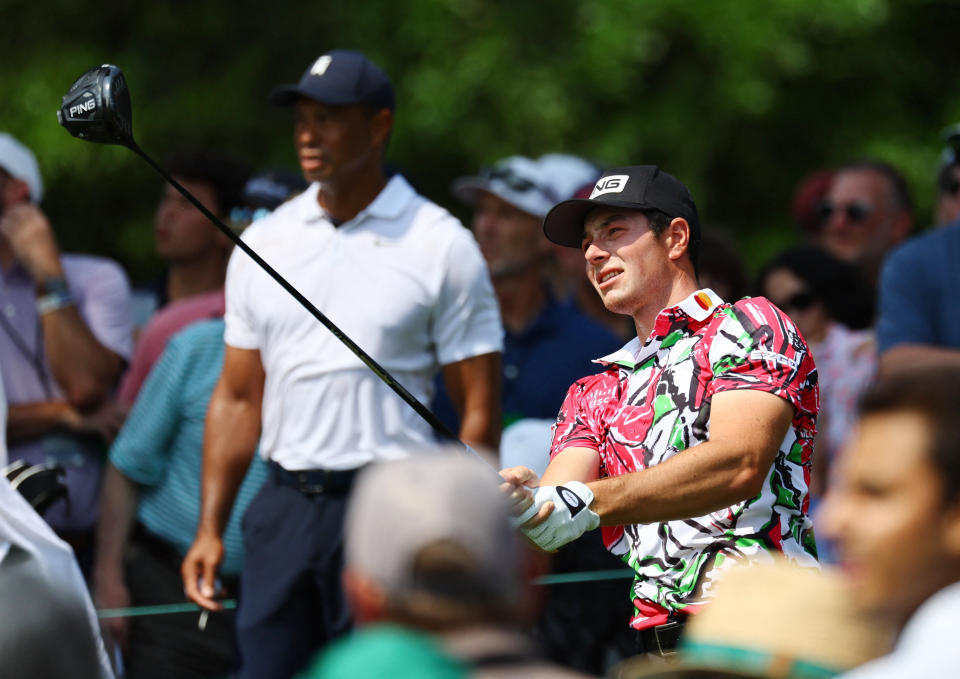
[
  {"x": 171, "y": 645},
  {"x": 291, "y": 599}
]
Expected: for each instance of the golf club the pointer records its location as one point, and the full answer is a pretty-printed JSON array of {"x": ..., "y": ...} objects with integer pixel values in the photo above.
[{"x": 97, "y": 108}]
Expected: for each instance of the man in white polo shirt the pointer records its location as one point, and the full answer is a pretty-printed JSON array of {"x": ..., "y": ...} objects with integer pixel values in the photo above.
[{"x": 403, "y": 279}]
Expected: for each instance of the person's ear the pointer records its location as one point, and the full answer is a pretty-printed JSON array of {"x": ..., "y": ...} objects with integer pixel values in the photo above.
[
  {"x": 381, "y": 123},
  {"x": 951, "y": 530},
  {"x": 368, "y": 601},
  {"x": 902, "y": 225},
  {"x": 676, "y": 238}
]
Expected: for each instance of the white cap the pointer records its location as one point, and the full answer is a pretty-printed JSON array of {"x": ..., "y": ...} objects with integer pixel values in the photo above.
[
  {"x": 533, "y": 186},
  {"x": 526, "y": 443},
  {"x": 19, "y": 162},
  {"x": 399, "y": 508}
]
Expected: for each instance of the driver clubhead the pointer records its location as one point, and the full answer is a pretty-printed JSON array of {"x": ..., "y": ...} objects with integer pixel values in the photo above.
[{"x": 97, "y": 107}]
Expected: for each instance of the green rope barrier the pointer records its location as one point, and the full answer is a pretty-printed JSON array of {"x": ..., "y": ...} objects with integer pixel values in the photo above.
[
  {"x": 166, "y": 609},
  {"x": 585, "y": 576},
  {"x": 162, "y": 609}
]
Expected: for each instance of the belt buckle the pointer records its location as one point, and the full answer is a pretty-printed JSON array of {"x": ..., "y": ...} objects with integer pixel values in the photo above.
[
  {"x": 309, "y": 488},
  {"x": 670, "y": 626}
]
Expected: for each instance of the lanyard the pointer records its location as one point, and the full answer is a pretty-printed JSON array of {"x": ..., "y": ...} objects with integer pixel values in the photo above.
[{"x": 34, "y": 357}]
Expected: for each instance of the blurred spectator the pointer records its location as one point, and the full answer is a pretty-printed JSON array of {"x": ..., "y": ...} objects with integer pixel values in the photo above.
[
  {"x": 948, "y": 178},
  {"x": 196, "y": 252},
  {"x": 721, "y": 266},
  {"x": 65, "y": 335},
  {"x": 832, "y": 307},
  {"x": 895, "y": 517},
  {"x": 867, "y": 211},
  {"x": 440, "y": 558},
  {"x": 48, "y": 628},
  {"x": 148, "y": 515},
  {"x": 771, "y": 620},
  {"x": 918, "y": 322},
  {"x": 807, "y": 204},
  {"x": 265, "y": 192},
  {"x": 510, "y": 199},
  {"x": 407, "y": 282}
]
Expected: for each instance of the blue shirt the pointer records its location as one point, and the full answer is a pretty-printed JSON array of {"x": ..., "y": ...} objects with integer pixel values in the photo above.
[
  {"x": 541, "y": 362},
  {"x": 918, "y": 287},
  {"x": 161, "y": 444}
]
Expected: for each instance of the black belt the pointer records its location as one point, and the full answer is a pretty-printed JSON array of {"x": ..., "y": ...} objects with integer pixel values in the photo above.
[
  {"x": 314, "y": 481},
  {"x": 662, "y": 639}
]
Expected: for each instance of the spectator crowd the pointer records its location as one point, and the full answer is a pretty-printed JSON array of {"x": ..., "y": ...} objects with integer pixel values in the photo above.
[{"x": 772, "y": 461}]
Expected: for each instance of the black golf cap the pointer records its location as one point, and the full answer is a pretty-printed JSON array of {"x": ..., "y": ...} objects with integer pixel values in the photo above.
[
  {"x": 338, "y": 78},
  {"x": 639, "y": 187}
]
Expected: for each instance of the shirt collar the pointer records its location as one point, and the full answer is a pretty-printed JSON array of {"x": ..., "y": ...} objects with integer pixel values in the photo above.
[
  {"x": 699, "y": 306},
  {"x": 389, "y": 203}
]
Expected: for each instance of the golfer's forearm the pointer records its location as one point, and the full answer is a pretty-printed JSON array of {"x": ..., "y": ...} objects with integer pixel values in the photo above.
[
  {"x": 697, "y": 481},
  {"x": 231, "y": 432},
  {"x": 572, "y": 464}
]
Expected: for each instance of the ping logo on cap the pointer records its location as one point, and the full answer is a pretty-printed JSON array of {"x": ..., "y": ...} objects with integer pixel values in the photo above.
[
  {"x": 615, "y": 183},
  {"x": 320, "y": 65}
]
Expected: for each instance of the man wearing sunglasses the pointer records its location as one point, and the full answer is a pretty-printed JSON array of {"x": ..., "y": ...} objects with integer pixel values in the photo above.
[
  {"x": 692, "y": 448},
  {"x": 867, "y": 211},
  {"x": 948, "y": 178}
]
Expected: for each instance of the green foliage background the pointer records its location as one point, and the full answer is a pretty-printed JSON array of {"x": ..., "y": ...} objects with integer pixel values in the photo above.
[{"x": 740, "y": 99}]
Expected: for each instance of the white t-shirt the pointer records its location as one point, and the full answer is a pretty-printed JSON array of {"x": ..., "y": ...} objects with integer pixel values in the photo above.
[
  {"x": 56, "y": 568},
  {"x": 927, "y": 646},
  {"x": 403, "y": 279}
]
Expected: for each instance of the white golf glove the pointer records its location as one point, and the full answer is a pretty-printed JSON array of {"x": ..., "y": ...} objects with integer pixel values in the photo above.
[{"x": 571, "y": 516}]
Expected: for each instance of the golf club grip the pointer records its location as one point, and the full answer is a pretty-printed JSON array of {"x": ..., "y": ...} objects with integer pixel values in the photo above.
[{"x": 368, "y": 360}]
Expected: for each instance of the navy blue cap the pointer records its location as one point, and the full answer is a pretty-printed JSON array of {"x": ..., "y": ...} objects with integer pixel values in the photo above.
[
  {"x": 639, "y": 187},
  {"x": 338, "y": 78}
]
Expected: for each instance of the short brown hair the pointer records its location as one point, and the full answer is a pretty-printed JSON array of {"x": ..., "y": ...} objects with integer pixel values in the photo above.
[{"x": 934, "y": 394}]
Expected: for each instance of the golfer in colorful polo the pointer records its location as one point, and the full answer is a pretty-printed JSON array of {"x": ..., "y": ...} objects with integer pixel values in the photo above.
[{"x": 692, "y": 450}]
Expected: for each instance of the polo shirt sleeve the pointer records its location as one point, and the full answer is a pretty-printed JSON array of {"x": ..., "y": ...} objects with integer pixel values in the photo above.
[
  {"x": 141, "y": 450},
  {"x": 757, "y": 346},
  {"x": 106, "y": 304},
  {"x": 578, "y": 422},
  {"x": 466, "y": 320},
  {"x": 240, "y": 327},
  {"x": 906, "y": 300}
]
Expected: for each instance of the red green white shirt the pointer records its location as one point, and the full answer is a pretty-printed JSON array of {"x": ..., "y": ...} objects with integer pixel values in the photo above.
[{"x": 653, "y": 401}]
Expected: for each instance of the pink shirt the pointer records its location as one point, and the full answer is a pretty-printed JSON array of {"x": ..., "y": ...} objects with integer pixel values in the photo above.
[{"x": 164, "y": 324}]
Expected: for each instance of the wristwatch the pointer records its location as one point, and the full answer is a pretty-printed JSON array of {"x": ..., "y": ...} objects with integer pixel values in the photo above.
[
  {"x": 53, "y": 285},
  {"x": 56, "y": 295}
]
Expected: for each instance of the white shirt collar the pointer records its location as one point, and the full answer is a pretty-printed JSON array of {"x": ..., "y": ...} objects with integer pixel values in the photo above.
[
  {"x": 389, "y": 203},
  {"x": 699, "y": 306}
]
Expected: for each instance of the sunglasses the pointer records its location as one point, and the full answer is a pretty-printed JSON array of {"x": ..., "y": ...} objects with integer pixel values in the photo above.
[
  {"x": 798, "y": 301},
  {"x": 514, "y": 181},
  {"x": 856, "y": 211}
]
